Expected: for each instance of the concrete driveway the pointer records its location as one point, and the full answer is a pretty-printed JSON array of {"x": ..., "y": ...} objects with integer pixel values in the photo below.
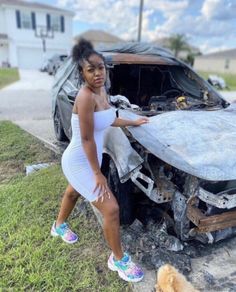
[{"x": 27, "y": 103}]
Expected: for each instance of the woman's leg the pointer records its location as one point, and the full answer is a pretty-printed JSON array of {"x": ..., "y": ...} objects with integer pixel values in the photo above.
[
  {"x": 68, "y": 202},
  {"x": 111, "y": 223}
]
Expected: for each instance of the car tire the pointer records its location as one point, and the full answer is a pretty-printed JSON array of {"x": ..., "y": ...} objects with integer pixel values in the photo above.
[
  {"x": 58, "y": 128},
  {"x": 123, "y": 193}
]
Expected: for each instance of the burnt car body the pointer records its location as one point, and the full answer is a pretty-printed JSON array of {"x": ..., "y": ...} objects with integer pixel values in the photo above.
[{"x": 182, "y": 164}]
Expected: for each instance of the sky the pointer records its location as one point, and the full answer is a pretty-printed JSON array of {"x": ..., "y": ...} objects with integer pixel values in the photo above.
[{"x": 209, "y": 25}]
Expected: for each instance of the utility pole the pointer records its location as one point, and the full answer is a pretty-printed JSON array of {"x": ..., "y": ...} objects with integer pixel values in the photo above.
[{"x": 140, "y": 20}]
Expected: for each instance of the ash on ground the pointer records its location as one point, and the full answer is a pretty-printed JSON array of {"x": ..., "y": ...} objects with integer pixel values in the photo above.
[{"x": 153, "y": 246}]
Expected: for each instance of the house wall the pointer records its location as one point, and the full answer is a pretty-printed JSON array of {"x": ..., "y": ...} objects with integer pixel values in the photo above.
[
  {"x": 3, "y": 54},
  {"x": 215, "y": 65},
  {"x": 2, "y": 21},
  {"x": 25, "y": 45}
]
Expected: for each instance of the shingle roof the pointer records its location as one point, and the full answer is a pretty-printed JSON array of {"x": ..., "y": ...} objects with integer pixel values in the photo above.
[
  {"x": 33, "y": 5},
  {"x": 99, "y": 36},
  {"x": 220, "y": 55}
]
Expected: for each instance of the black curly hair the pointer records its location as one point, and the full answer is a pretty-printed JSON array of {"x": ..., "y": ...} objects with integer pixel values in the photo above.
[{"x": 82, "y": 51}]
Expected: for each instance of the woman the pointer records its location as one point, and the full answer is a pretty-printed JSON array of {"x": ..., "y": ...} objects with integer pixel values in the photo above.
[{"x": 82, "y": 159}]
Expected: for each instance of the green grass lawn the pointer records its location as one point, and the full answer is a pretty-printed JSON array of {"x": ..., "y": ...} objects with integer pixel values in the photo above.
[
  {"x": 230, "y": 79},
  {"x": 30, "y": 259},
  {"x": 8, "y": 76}
]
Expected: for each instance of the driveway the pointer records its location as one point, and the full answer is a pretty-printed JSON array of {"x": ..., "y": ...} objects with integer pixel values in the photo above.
[{"x": 27, "y": 103}]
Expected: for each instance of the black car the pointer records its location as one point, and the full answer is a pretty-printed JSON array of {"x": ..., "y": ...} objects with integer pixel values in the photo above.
[{"x": 182, "y": 163}]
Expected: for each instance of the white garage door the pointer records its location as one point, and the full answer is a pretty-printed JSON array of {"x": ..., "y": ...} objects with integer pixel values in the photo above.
[{"x": 30, "y": 58}]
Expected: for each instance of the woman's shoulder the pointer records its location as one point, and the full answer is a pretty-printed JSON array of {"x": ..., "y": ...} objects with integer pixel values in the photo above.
[{"x": 85, "y": 94}]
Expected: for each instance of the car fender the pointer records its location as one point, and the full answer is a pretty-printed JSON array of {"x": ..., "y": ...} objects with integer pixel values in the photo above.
[{"x": 118, "y": 147}]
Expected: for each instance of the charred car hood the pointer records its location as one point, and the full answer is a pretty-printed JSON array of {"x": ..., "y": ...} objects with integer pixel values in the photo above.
[{"x": 201, "y": 143}]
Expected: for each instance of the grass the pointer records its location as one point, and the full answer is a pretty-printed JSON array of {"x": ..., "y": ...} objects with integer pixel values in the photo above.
[
  {"x": 8, "y": 76},
  {"x": 30, "y": 259},
  {"x": 229, "y": 78}
]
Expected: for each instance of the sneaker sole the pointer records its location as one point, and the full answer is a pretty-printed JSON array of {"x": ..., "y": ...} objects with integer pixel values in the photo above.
[
  {"x": 54, "y": 234},
  {"x": 122, "y": 275}
]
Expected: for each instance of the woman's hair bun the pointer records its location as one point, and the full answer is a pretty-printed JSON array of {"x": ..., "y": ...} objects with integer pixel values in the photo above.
[{"x": 80, "y": 48}]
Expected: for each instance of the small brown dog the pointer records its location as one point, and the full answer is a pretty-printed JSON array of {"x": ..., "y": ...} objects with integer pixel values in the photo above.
[{"x": 170, "y": 280}]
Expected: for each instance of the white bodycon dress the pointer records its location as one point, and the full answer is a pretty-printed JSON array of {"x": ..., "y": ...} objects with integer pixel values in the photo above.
[{"x": 75, "y": 164}]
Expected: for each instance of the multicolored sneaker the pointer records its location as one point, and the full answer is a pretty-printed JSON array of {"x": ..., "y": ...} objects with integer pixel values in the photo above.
[
  {"x": 64, "y": 232},
  {"x": 126, "y": 269}
]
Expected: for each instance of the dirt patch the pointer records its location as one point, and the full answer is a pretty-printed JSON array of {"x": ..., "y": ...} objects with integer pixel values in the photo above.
[{"x": 10, "y": 169}]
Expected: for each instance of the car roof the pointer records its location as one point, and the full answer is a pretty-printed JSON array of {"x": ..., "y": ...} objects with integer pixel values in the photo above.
[
  {"x": 138, "y": 53},
  {"x": 123, "y": 58}
]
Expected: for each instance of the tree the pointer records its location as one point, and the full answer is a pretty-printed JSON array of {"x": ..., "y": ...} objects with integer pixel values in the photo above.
[{"x": 178, "y": 42}]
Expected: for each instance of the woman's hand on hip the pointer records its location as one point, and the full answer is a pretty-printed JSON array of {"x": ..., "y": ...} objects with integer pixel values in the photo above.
[{"x": 101, "y": 186}]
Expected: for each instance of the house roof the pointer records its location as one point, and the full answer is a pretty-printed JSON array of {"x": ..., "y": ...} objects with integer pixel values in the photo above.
[
  {"x": 220, "y": 55},
  {"x": 33, "y": 5},
  {"x": 99, "y": 36}
]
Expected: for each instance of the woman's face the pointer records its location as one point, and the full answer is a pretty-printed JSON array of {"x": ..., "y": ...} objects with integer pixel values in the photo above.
[{"x": 94, "y": 71}]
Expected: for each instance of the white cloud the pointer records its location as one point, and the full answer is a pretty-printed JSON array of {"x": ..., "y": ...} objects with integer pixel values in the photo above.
[
  {"x": 168, "y": 8},
  {"x": 219, "y": 9},
  {"x": 213, "y": 20},
  {"x": 206, "y": 48}
]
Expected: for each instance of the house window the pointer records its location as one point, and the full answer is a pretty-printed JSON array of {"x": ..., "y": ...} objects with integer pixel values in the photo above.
[
  {"x": 56, "y": 23},
  {"x": 26, "y": 20}
]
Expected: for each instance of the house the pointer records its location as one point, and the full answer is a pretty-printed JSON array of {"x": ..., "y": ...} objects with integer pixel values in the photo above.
[
  {"x": 219, "y": 62},
  {"x": 99, "y": 37},
  {"x": 31, "y": 32}
]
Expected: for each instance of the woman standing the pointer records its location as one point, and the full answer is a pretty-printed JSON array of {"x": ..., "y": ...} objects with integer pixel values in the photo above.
[{"x": 82, "y": 159}]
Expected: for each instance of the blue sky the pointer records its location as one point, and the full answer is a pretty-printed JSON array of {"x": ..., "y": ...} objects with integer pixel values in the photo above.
[{"x": 208, "y": 24}]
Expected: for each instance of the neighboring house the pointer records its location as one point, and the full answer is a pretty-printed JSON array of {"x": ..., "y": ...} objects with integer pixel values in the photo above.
[
  {"x": 99, "y": 37},
  {"x": 19, "y": 20},
  {"x": 222, "y": 62}
]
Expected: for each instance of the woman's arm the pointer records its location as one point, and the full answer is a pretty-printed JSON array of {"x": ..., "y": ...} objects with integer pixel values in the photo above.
[{"x": 123, "y": 123}]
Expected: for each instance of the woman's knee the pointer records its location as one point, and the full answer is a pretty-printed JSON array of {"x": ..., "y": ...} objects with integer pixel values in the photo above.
[
  {"x": 71, "y": 194},
  {"x": 112, "y": 213}
]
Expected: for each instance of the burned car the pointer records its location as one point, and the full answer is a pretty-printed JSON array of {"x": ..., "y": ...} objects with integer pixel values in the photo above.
[{"x": 181, "y": 166}]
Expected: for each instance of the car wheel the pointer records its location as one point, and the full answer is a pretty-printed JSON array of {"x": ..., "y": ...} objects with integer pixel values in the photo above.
[
  {"x": 58, "y": 128},
  {"x": 123, "y": 193}
]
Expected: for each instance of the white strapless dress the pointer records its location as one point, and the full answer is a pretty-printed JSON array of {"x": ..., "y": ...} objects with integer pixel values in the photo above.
[{"x": 75, "y": 164}]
